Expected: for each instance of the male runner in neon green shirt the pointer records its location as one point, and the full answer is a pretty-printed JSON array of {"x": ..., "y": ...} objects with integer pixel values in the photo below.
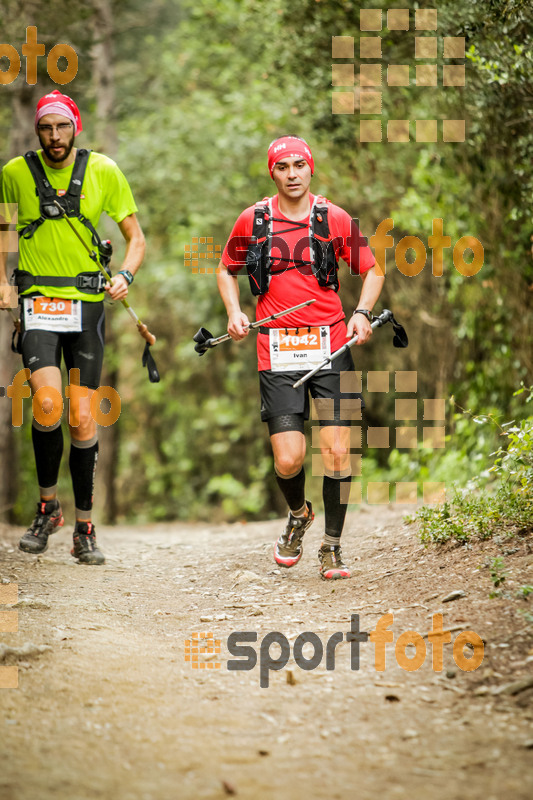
[{"x": 62, "y": 300}]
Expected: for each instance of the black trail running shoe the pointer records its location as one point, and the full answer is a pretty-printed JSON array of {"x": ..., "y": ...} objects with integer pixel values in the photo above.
[
  {"x": 289, "y": 548},
  {"x": 85, "y": 548},
  {"x": 48, "y": 519}
]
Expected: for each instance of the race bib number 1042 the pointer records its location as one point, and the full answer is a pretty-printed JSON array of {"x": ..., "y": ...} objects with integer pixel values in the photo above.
[{"x": 299, "y": 348}]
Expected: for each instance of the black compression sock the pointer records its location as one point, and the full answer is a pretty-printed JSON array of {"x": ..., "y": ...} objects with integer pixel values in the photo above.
[
  {"x": 48, "y": 449},
  {"x": 293, "y": 490},
  {"x": 334, "y": 510},
  {"x": 82, "y": 463}
]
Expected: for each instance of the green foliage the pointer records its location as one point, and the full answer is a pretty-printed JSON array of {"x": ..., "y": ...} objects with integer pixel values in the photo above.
[
  {"x": 498, "y": 575},
  {"x": 507, "y": 508},
  {"x": 516, "y": 461},
  {"x": 462, "y": 460},
  {"x": 480, "y": 515}
]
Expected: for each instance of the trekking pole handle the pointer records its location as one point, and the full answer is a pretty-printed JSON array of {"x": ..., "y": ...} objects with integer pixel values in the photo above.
[
  {"x": 16, "y": 320},
  {"x": 142, "y": 328},
  {"x": 383, "y": 318}
]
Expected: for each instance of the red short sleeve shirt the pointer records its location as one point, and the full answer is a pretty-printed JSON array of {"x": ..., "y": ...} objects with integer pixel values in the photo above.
[{"x": 292, "y": 286}]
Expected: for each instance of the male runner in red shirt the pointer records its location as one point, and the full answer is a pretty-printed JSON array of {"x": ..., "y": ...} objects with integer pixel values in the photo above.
[{"x": 290, "y": 272}]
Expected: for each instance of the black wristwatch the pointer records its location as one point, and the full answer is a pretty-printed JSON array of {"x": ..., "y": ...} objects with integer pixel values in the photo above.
[
  {"x": 127, "y": 274},
  {"x": 365, "y": 313}
]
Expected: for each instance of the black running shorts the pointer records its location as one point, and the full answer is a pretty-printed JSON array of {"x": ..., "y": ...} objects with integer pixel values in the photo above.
[
  {"x": 332, "y": 389},
  {"x": 83, "y": 350}
]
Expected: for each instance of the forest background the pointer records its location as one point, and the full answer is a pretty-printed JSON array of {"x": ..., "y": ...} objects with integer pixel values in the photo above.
[{"x": 186, "y": 95}]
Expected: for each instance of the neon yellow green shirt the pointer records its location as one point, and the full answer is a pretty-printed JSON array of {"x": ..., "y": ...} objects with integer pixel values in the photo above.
[{"x": 54, "y": 249}]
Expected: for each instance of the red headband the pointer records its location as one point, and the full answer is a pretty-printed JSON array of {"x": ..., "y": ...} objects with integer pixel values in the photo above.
[
  {"x": 289, "y": 147},
  {"x": 57, "y": 103}
]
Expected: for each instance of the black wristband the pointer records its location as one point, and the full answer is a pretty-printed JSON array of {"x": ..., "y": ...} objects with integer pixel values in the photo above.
[
  {"x": 365, "y": 313},
  {"x": 127, "y": 274}
]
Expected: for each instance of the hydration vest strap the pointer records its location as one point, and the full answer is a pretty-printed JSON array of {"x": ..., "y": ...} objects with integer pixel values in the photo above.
[
  {"x": 320, "y": 221},
  {"x": 42, "y": 184},
  {"x": 326, "y": 264},
  {"x": 30, "y": 229},
  {"x": 47, "y": 194},
  {"x": 88, "y": 224},
  {"x": 78, "y": 173},
  {"x": 259, "y": 259},
  {"x": 267, "y": 328}
]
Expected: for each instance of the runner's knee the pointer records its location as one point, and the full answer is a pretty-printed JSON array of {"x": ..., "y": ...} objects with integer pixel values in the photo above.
[
  {"x": 46, "y": 403},
  {"x": 288, "y": 464},
  {"x": 85, "y": 427},
  {"x": 336, "y": 460},
  {"x": 337, "y": 450}
]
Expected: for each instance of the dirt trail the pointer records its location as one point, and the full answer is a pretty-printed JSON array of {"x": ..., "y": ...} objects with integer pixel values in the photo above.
[{"x": 111, "y": 708}]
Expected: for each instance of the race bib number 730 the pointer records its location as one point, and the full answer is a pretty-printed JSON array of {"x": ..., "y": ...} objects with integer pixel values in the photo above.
[{"x": 52, "y": 314}]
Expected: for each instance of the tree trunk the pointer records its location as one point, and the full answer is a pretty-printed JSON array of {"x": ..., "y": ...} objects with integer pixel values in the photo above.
[
  {"x": 105, "y": 140},
  {"x": 9, "y": 365},
  {"x": 22, "y": 138}
]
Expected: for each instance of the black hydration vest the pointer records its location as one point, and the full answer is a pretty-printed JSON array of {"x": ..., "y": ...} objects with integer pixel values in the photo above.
[
  {"x": 89, "y": 282},
  {"x": 323, "y": 264}
]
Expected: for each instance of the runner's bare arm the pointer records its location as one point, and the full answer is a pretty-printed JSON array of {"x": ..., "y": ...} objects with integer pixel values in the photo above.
[
  {"x": 229, "y": 291},
  {"x": 6, "y": 291},
  {"x": 358, "y": 323},
  {"x": 135, "y": 247}
]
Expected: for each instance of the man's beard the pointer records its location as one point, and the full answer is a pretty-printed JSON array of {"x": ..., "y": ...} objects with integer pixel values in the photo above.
[{"x": 64, "y": 155}]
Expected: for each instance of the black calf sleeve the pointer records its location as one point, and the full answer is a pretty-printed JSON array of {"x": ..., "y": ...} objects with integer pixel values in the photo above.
[
  {"x": 293, "y": 490},
  {"x": 82, "y": 463},
  {"x": 48, "y": 449},
  {"x": 334, "y": 510}
]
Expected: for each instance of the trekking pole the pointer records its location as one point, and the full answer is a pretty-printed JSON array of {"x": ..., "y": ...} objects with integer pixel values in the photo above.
[
  {"x": 400, "y": 340},
  {"x": 147, "y": 358},
  {"x": 204, "y": 339},
  {"x": 15, "y": 339}
]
